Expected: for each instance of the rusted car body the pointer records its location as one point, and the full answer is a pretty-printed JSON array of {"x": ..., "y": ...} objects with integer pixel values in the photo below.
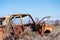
[{"x": 17, "y": 28}]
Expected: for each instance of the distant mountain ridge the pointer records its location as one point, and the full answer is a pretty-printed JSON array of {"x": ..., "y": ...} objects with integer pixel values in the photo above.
[{"x": 54, "y": 21}]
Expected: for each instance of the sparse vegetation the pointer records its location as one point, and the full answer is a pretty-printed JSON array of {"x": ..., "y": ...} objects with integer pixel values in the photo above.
[{"x": 29, "y": 35}]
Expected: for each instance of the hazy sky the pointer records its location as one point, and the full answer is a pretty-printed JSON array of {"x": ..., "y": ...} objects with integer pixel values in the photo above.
[{"x": 37, "y": 8}]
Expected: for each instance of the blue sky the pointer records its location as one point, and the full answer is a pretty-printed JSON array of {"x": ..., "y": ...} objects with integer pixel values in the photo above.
[{"x": 37, "y": 8}]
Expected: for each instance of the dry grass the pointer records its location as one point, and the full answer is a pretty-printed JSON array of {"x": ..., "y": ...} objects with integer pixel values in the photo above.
[{"x": 29, "y": 35}]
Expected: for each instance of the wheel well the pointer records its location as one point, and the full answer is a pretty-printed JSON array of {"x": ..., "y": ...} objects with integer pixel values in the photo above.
[{"x": 47, "y": 31}]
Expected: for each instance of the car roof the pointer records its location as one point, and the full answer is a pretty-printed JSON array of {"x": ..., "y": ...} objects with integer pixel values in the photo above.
[{"x": 23, "y": 15}]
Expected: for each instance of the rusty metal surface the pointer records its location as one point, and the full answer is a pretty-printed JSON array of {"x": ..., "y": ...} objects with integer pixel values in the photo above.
[{"x": 17, "y": 29}]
